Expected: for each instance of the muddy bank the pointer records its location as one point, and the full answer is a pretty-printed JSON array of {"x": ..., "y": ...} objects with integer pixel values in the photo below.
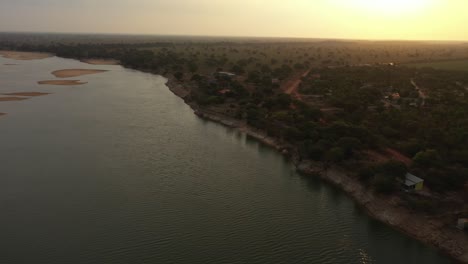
[
  {"x": 9, "y": 99},
  {"x": 67, "y": 73},
  {"x": 389, "y": 210},
  {"x": 62, "y": 82},
  {"x": 17, "y": 55},
  {"x": 261, "y": 136},
  {"x": 2, "y": 114},
  {"x": 28, "y": 94},
  {"x": 101, "y": 61}
]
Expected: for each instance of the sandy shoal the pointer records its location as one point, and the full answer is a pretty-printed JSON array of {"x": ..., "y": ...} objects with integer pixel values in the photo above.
[
  {"x": 101, "y": 61},
  {"x": 75, "y": 72},
  {"x": 8, "y": 99},
  {"x": 30, "y": 94},
  {"x": 18, "y": 55},
  {"x": 62, "y": 82}
]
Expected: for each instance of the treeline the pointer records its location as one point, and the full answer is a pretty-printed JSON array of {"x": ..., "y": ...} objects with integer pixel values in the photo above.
[
  {"x": 434, "y": 134},
  {"x": 354, "y": 109},
  {"x": 130, "y": 55}
]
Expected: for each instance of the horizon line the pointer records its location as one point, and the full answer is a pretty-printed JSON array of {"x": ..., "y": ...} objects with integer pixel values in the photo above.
[{"x": 230, "y": 36}]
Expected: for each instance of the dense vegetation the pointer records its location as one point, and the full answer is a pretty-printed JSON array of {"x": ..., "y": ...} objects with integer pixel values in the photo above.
[{"x": 354, "y": 105}]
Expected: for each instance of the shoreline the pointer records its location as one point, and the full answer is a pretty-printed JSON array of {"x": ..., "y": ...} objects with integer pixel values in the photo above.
[
  {"x": 101, "y": 61},
  {"x": 71, "y": 73},
  {"x": 61, "y": 82},
  {"x": 435, "y": 234},
  {"x": 20, "y": 55},
  {"x": 12, "y": 98},
  {"x": 448, "y": 241},
  {"x": 27, "y": 94}
]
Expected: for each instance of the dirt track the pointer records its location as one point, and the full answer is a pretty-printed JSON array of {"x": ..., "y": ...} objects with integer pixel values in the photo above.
[{"x": 291, "y": 86}]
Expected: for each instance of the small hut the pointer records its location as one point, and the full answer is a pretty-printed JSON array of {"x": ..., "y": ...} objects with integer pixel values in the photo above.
[
  {"x": 413, "y": 183},
  {"x": 462, "y": 223},
  {"x": 225, "y": 75}
]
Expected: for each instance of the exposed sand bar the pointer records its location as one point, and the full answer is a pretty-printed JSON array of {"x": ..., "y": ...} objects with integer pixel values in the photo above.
[
  {"x": 30, "y": 94},
  {"x": 62, "y": 82},
  {"x": 8, "y": 99},
  {"x": 101, "y": 61},
  {"x": 17, "y": 55},
  {"x": 75, "y": 72}
]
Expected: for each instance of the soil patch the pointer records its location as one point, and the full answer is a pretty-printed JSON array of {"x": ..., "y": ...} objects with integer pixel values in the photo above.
[
  {"x": 101, "y": 62},
  {"x": 9, "y": 99},
  {"x": 75, "y": 72},
  {"x": 30, "y": 94},
  {"x": 62, "y": 82},
  {"x": 17, "y": 55}
]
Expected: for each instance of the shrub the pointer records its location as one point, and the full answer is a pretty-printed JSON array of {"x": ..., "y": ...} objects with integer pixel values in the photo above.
[{"x": 384, "y": 184}]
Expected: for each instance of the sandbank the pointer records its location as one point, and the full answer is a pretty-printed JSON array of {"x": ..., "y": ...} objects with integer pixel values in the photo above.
[
  {"x": 8, "y": 99},
  {"x": 75, "y": 72},
  {"x": 62, "y": 82},
  {"x": 17, "y": 55},
  {"x": 31, "y": 94},
  {"x": 101, "y": 61}
]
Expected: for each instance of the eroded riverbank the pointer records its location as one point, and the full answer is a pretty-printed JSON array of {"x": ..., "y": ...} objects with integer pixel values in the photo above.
[
  {"x": 392, "y": 212},
  {"x": 147, "y": 181}
]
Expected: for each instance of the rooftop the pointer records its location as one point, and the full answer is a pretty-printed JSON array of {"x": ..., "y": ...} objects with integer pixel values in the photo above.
[
  {"x": 410, "y": 179},
  {"x": 227, "y": 73}
]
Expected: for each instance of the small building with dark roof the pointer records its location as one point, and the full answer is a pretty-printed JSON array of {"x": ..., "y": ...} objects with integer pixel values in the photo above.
[
  {"x": 413, "y": 183},
  {"x": 225, "y": 75},
  {"x": 462, "y": 223}
]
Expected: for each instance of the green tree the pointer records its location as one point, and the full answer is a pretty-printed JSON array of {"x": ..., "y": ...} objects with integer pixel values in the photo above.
[
  {"x": 349, "y": 145},
  {"x": 179, "y": 76},
  {"x": 393, "y": 169},
  {"x": 384, "y": 184},
  {"x": 335, "y": 155},
  {"x": 428, "y": 158}
]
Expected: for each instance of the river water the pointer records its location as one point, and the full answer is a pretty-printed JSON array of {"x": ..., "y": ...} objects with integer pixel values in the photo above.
[{"x": 120, "y": 170}]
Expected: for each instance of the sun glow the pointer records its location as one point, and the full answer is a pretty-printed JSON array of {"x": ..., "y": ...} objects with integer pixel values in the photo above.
[{"x": 392, "y": 7}]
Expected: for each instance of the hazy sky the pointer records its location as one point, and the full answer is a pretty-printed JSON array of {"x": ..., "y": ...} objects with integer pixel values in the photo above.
[{"x": 363, "y": 19}]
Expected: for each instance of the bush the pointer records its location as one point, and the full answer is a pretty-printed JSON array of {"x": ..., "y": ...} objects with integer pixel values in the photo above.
[
  {"x": 179, "y": 76},
  {"x": 335, "y": 154},
  {"x": 349, "y": 145},
  {"x": 393, "y": 169},
  {"x": 366, "y": 174},
  {"x": 384, "y": 184},
  {"x": 421, "y": 205},
  {"x": 312, "y": 150},
  {"x": 429, "y": 158},
  {"x": 446, "y": 180}
]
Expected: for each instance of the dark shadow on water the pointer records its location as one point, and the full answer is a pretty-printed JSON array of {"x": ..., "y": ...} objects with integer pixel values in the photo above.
[
  {"x": 316, "y": 184},
  {"x": 375, "y": 231}
]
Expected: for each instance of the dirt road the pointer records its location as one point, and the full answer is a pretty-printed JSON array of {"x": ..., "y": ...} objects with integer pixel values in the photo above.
[{"x": 291, "y": 86}]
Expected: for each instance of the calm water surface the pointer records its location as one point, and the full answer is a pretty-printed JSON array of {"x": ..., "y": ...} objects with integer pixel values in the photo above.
[{"x": 120, "y": 171}]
